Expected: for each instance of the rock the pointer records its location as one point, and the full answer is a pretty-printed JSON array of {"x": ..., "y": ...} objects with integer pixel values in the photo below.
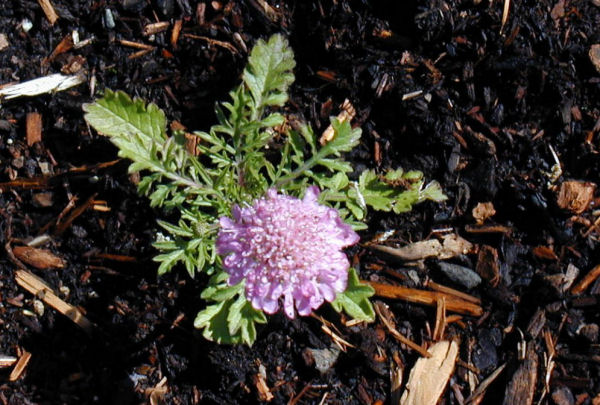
[
  {"x": 461, "y": 275},
  {"x": 594, "y": 55},
  {"x": 323, "y": 359}
]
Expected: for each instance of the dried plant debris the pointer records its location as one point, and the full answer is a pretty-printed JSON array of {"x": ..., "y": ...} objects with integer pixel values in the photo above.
[
  {"x": 575, "y": 196},
  {"x": 429, "y": 376}
]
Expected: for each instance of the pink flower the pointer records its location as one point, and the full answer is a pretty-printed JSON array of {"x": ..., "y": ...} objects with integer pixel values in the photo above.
[{"x": 286, "y": 247}]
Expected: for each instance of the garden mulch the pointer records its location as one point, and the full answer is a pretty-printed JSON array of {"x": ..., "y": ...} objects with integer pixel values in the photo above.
[{"x": 497, "y": 100}]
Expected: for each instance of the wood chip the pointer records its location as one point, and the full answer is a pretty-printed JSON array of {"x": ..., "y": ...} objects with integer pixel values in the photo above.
[
  {"x": 33, "y": 127},
  {"x": 575, "y": 196},
  {"x": 39, "y": 258},
  {"x": 429, "y": 376},
  {"x": 65, "y": 45},
  {"x": 260, "y": 382},
  {"x": 155, "y": 28},
  {"x": 521, "y": 387},
  {"x": 586, "y": 281},
  {"x": 175, "y": 33},
  {"x": 488, "y": 266},
  {"x": 48, "y": 10},
  {"x": 346, "y": 115},
  {"x": 20, "y": 366},
  {"x": 451, "y": 246},
  {"x": 477, "y": 395},
  {"x": 453, "y": 303},
  {"x": 41, "y": 290},
  {"x": 483, "y": 211}
]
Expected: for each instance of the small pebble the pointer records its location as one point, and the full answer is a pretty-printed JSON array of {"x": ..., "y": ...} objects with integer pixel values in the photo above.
[
  {"x": 3, "y": 42},
  {"x": 460, "y": 274},
  {"x": 323, "y": 359},
  {"x": 109, "y": 20},
  {"x": 26, "y": 25},
  {"x": 38, "y": 307}
]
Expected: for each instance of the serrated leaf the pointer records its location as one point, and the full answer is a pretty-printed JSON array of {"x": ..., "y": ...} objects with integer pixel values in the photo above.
[
  {"x": 268, "y": 73},
  {"x": 354, "y": 301},
  {"x": 116, "y": 114}
]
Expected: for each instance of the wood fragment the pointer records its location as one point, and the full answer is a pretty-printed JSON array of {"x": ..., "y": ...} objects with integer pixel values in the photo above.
[
  {"x": 139, "y": 54},
  {"x": 215, "y": 42},
  {"x": 346, "y": 115},
  {"x": 505, "y": 11},
  {"x": 268, "y": 11},
  {"x": 7, "y": 361},
  {"x": 575, "y": 196},
  {"x": 451, "y": 246},
  {"x": 430, "y": 298},
  {"x": 477, "y": 396},
  {"x": 137, "y": 45},
  {"x": 386, "y": 318},
  {"x": 33, "y": 128},
  {"x": 459, "y": 294},
  {"x": 440, "y": 320},
  {"x": 264, "y": 392},
  {"x": 42, "y": 291},
  {"x": 65, "y": 45},
  {"x": 42, "y": 259},
  {"x": 586, "y": 281},
  {"x": 483, "y": 211},
  {"x": 48, "y": 84},
  {"x": 61, "y": 227},
  {"x": 521, "y": 387},
  {"x": 488, "y": 266},
  {"x": 429, "y": 376},
  {"x": 20, "y": 366},
  {"x": 489, "y": 229},
  {"x": 48, "y": 11},
  {"x": 175, "y": 33},
  {"x": 155, "y": 28}
]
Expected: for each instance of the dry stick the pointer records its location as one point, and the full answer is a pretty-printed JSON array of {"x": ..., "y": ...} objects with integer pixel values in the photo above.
[
  {"x": 7, "y": 361},
  {"x": 453, "y": 303},
  {"x": 137, "y": 45},
  {"x": 440, "y": 320},
  {"x": 20, "y": 366},
  {"x": 61, "y": 227},
  {"x": 41, "y": 290},
  {"x": 447, "y": 290},
  {"x": 33, "y": 125},
  {"x": 587, "y": 280},
  {"x": 175, "y": 33},
  {"x": 211, "y": 41},
  {"x": 394, "y": 332},
  {"x": 48, "y": 10}
]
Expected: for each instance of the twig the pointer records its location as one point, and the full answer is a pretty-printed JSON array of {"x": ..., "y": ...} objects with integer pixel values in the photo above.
[{"x": 41, "y": 290}]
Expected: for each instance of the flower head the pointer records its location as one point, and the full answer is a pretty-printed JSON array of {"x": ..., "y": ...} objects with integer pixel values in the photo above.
[{"x": 286, "y": 248}]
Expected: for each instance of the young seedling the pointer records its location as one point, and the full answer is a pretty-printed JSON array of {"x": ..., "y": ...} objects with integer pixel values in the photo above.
[{"x": 267, "y": 216}]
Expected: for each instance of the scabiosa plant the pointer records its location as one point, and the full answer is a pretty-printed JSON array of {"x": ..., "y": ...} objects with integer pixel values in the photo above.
[
  {"x": 260, "y": 247},
  {"x": 286, "y": 247}
]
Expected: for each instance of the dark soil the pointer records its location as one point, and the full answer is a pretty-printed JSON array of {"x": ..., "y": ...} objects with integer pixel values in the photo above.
[{"x": 494, "y": 102}]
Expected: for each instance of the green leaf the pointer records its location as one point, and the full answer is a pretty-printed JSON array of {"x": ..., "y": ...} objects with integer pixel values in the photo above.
[
  {"x": 116, "y": 114},
  {"x": 355, "y": 300},
  {"x": 268, "y": 73}
]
